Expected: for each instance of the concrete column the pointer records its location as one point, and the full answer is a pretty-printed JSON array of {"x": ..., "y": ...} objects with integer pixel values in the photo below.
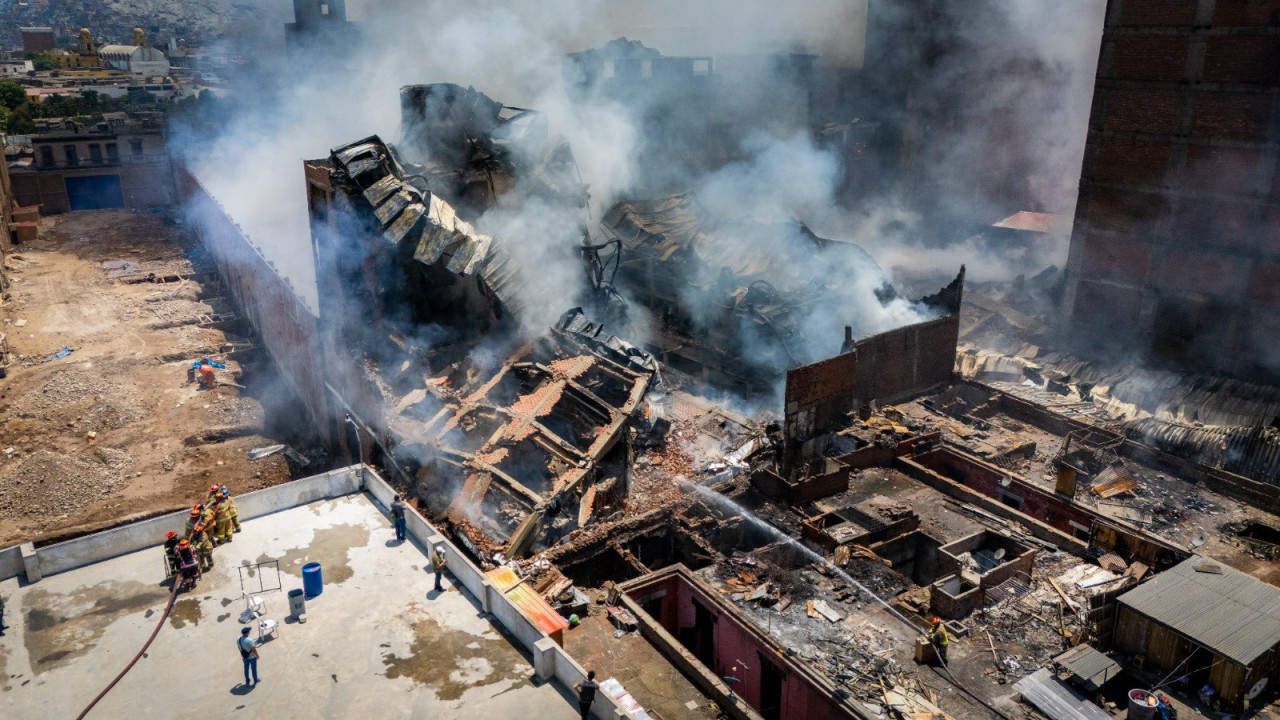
[
  {"x": 544, "y": 658},
  {"x": 30, "y": 562},
  {"x": 487, "y": 591}
]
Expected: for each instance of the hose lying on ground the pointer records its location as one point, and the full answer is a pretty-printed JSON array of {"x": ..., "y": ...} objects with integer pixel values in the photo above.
[{"x": 173, "y": 595}]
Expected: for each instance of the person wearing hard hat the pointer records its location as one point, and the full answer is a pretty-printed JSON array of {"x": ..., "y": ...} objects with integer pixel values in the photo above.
[
  {"x": 938, "y": 636},
  {"x": 222, "y": 523},
  {"x": 231, "y": 507},
  {"x": 197, "y": 511},
  {"x": 215, "y": 494},
  {"x": 208, "y": 519},
  {"x": 437, "y": 565},
  {"x": 187, "y": 563},
  {"x": 171, "y": 553},
  {"x": 204, "y": 546}
]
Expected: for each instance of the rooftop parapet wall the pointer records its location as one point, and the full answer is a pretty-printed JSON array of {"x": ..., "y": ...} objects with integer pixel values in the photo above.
[{"x": 550, "y": 660}]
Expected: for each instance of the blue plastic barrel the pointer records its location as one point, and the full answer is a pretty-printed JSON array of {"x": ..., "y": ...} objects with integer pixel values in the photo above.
[{"x": 312, "y": 579}]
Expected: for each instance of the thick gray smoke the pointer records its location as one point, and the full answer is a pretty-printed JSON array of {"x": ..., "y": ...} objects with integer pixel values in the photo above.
[{"x": 515, "y": 52}]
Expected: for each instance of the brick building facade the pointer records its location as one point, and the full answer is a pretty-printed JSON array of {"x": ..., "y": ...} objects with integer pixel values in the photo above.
[{"x": 1175, "y": 252}]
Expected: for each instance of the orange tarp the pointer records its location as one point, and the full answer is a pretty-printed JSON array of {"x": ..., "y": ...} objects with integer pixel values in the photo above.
[{"x": 531, "y": 604}]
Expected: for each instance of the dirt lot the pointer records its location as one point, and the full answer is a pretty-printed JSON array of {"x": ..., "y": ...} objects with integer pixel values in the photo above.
[{"x": 114, "y": 431}]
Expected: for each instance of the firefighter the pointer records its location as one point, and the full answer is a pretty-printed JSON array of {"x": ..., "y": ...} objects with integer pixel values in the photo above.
[
  {"x": 187, "y": 564},
  {"x": 197, "y": 512},
  {"x": 214, "y": 495},
  {"x": 207, "y": 519},
  {"x": 171, "y": 553},
  {"x": 231, "y": 505},
  {"x": 938, "y": 636},
  {"x": 204, "y": 547},
  {"x": 222, "y": 523}
]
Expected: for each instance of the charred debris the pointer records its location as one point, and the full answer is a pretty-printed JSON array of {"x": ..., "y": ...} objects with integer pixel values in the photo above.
[
  {"x": 594, "y": 457},
  {"x": 519, "y": 441}
]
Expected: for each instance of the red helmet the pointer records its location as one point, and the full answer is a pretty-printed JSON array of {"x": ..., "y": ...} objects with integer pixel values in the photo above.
[
  {"x": 213, "y": 489},
  {"x": 195, "y": 511},
  {"x": 200, "y": 528},
  {"x": 935, "y": 621},
  {"x": 171, "y": 534},
  {"x": 184, "y": 543}
]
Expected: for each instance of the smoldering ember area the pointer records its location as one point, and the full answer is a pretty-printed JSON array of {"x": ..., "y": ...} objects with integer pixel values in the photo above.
[{"x": 869, "y": 359}]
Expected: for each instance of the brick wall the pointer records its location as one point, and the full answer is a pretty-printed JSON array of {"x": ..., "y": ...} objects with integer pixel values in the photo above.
[{"x": 1179, "y": 212}]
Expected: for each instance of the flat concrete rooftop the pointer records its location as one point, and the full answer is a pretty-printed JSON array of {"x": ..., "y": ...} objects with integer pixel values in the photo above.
[{"x": 377, "y": 637}]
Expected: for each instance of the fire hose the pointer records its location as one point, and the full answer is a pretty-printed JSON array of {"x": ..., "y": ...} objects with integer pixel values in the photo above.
[{"x": 173, "y": 595}]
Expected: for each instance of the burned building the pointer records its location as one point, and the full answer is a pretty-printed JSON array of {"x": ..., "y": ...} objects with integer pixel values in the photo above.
[
  {"x": 507, "y": 434},
  {"x": 736, "y": 302}
]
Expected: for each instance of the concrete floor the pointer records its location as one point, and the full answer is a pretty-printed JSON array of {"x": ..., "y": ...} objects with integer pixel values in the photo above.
[{"x": 377, "y": 640}]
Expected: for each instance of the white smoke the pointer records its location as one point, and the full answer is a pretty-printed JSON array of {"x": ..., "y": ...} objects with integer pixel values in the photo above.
[{"x": 513, "y": 51}]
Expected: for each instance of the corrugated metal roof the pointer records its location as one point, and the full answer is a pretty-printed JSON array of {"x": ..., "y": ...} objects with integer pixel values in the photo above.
[
  {"x": 1053, "y": 698},
  {"x": 1089, "y": 665},
  {"x": 530, "y": 603},
  {"x": 1230, "y": 613},
  {"x": 1033, "y": 222}
]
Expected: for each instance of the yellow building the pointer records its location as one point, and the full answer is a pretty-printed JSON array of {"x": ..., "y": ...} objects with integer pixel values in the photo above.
[{"x": 83, "y": 57}]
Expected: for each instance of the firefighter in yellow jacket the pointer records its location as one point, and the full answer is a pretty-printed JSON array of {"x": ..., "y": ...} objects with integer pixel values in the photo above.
[
  {"x": 204, "y": 547},
  {"x": 938, "y": 636},
  {"x": 209, "y": 519},
  {"x": 231, "y": 505},
  {"x": 222, "y": 523},
  {"x": 197, "y": 512}
]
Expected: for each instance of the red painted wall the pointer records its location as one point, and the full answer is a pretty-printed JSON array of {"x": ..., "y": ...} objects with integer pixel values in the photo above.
[
  {"x": 736, "y": 647},
  {"x": 1040, "y": 504}
]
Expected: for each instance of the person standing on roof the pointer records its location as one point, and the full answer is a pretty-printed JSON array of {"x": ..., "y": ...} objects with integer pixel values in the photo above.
[
  {"x": 197, "y": 511},
  {"x": 231, "y": 507},
  {"x": 938, "y": 636},
  {"x": 171, "y": 553},
  {"x": 208, "y": 519},
  {"x": 187, "y": 563},
  {"x": 204, "y": 546},
  {"x": 586, "y": 694},
  {"x": 222, "y": 523},
  {"x": 437, "y": 565},
  {"x": 397, "y": 517},
  {"x": 248, "y": 653}
]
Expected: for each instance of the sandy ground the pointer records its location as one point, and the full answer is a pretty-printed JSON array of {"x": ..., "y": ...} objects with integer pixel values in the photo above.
[{"x": 113, "y": 431}]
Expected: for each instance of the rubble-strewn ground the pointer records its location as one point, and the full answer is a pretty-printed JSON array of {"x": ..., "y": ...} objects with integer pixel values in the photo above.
[{"x": 113, "y": 430}]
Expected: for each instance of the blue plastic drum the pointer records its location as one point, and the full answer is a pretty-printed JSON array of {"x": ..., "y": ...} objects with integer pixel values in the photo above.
[{"x": 312, "y": 579}]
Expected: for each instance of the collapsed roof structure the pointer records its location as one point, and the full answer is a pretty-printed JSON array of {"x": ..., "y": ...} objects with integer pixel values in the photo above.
[
  {"x": 733, "y": 298},
  {"x": 515, "y": 441}
]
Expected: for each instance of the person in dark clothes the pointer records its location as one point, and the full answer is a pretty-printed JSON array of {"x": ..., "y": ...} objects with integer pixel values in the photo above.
[
  {"x": 397, "y": 517},
  {"x": 586, "y": 694}
]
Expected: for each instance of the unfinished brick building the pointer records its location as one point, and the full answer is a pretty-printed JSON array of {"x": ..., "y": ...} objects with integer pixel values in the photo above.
[{"x": 1175, "y": 252}]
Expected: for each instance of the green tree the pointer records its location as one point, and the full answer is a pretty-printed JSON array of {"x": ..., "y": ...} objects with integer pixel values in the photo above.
[
  {"x": 12, "y": 94},
  {"x": 19, "y": 122},
  {"x": 42, "y": 61}
]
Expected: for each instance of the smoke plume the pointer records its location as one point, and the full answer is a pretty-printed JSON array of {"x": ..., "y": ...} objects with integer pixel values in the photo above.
[{"x": 741, "y": 163}]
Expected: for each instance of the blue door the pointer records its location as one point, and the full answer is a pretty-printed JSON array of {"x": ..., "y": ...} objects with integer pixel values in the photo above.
[{"x": 94, "y": 192}]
